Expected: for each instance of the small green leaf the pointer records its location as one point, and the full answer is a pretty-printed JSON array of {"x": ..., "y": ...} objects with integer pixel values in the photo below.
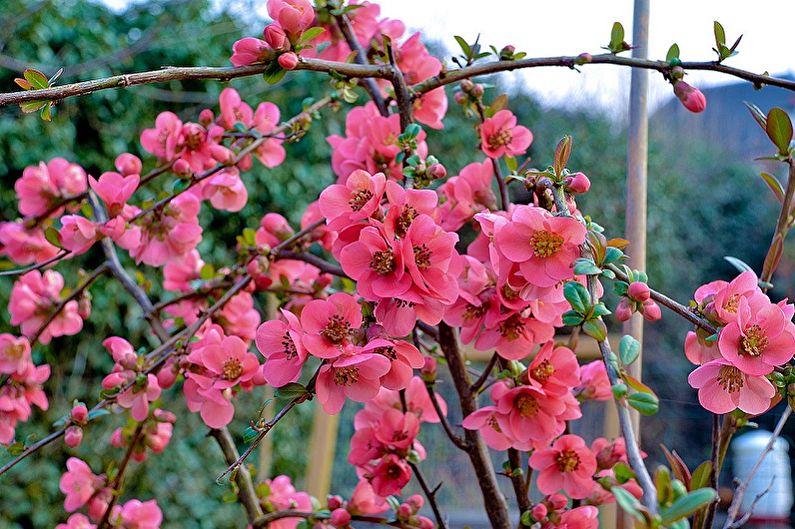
[
  {"x": 290, "y": 391},
  {"x": 464, "y": 45},
  {"x": 511, "y": 163},
  {"x": 701, "y": 475},
  {"x": 250, "y": 236},
  {"x": 628, "y": 350},
  {"x": 93, "y": 414},
  {"x": 757, "y": 114},
  {"x": 37, "y": 79},
  {"x": 720, "y": 34},
  {"x": 207, "y": 272},
  {"x": 627, "y": 502},
  {"x": 673, "y": 52},
  {"x": 577, "y": 296},
  {"x": 741, "y": 266},
  {"x": 527, "y": 519},
  {"x": 595, "y": 329},
  {"x": 274, "y": 73},
  {"x": 562, "y": 153},
  {"x": 687, "y": 505},
  {"x": 623, "y": 472},
  {"x": 32, "y": 106},
  {"x": 612, "y": 255},
  {"x": 584, "y": 266},
  {"x": 619, "y": 390},
  {"x": 52, "y": 236},
  {"x": 599, "y": 310},
  {"x": 645, "y": 403},
  {"x": 616, "y": 37},
  {"x": 311, "y": 33},
  {"x": 779, "y": 129},
  {"x": 774, "y": 185},
  {"x": 572, "y": 319}
]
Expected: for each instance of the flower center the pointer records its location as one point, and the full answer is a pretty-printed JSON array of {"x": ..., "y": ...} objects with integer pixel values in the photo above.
[
  {"x": 346, "y": 376},
  {"x": 383, "y": 262},
  {"x": 526, "y": 404},
  {"x": 233, "y": 368},
  {"x": 567, "y": 460},
  {"x": 732, "y": 304},
  {"x": 336, "y": 329},
  {"x": 754, "y": 342},
  {"x": 393, "y": 472},
  {"x": 509, "y": 293},
  {"x": 512, "y": 327},
  {"x": 404, "y": 220},
  {"x": 543, "y": 371},
  {"x": 422, "y": 256},
  {"x": 500, "y": 138},
  {"x": 359, "y": 199},
  {"x": 545, "y": 243},
  {"x": 15, "y": 352},
  {"x": 492, "y": 421},
  {"x": 387, "y": 351},
  {"x": 289, "y": 346},
  {"x": 473, "y": 311},
  {"x": 730, "y": 379}
]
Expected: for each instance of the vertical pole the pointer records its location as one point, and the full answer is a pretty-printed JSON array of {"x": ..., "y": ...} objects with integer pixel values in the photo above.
[
  {"x": 637, "y": 183},
  {"x": 322, "y": 444}
]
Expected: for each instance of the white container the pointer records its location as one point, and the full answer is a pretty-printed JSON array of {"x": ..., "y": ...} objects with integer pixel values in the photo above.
[{"x": 777, "y": 502}]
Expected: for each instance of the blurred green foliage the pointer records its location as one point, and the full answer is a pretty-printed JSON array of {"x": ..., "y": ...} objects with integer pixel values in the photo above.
[{"x": 700, "y": 205}]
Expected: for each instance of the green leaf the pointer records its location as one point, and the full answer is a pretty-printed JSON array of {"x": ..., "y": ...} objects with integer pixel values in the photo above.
[
  {"x": 274, "y": 73},
  {"x": 250, "y": 236},
  {"x": 311, "y": 33},
  {"x": 757, "y": 114},
  {"x": 572, "y": 319},
  {"x": 51, "y": 234},
  {"x": 207, "y": 272},
  {"x": 577, "y": 296},
  {"x": 673, "y": 52},
  {"x": 645, "y": 403},
  {"x": 774, "y": 185},
  {"x": 701, "y": 475},
  {"x": 595, "y": 329},
  {"x": 464, "y": 45},
  {"x": 612, "y": 255},
  {"x": 527, "y": 519},
  {"x": 93, "y": 414},
  {"x": 511, "y": 163},
  {"x": 741, "y": 266},
  {"x": 46, "y": 112},
  {"x": 619, "y": 390},
  {"x": 628, "y": 503},
  {"x": 32, "y": 106},
  {"x": 662, "y": 482},
  {"x": 584, "y": 266},
  {"x": 687, "y": 505},
  {"x": 290, "y": 391},
  {"x": 628, "y": 350},
  {"x": 37, "y": 79},
  {"x": 779, "y": 129},
  {"x": 599, "y": 310},
  {"x": 616, "y": 37},
  {"x": 720, "y": 34},
  {"x": 562, "y": 153},
  {"x": 623, "y": 472},
  {"x": 249, "y": 434}
]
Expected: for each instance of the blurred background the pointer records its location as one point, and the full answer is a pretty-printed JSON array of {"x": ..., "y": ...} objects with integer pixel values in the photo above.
[{"x": 706, "y": 201}]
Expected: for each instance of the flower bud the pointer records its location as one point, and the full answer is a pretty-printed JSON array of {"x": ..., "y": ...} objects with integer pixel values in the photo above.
[
  {"x": 557, "y": 501},
  {"x": 165, "y": 416},
  {"x": 467, "y": 86},
  {"x": 222, "y": 154},
  {"x": 583, "y": 58},
  {"x": 98, "y": 504},
  {"x": 580, "y": 184},
  {"x": 437, "y": 171},
  {"x": 167, "y": 376},
  {"x": 333, "y": 502},
  {"x": 691, "y": 97},
  {"x": 539, "y": 512},
  {"x": 117, "y": 438},
  {"x": 73, "y": 436},
  {"x": 206, "y": 117},
  {"x": 651, "y": 311},
  {"x": 607, "y": 457},
  {"x": 423, "y": 522},
  {"x": 80, "y": 413},
  {"x": 276, "y": 38},
  {"x": 288, "y": 60},
  {"x": 340, "y": 518},
  {"x": 84, "y": 305},
  {"x": 182, "y": 169},
  {"x": 460, "y": 98},
  {"x": 677, "y": 73},
  {"x": 477, "y": 90},
  {"x": 506, "y": 53},
  {"x": 639, "y": 291},
  {"x": 404, "y": 511},
  {"x": 428, "y": 371},
  {"x": 623, "y": 310},
  {"x": 416, "y": 501},
  {"x": 128, "y": 164}
]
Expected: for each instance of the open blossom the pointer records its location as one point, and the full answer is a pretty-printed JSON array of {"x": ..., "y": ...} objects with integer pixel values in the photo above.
[
  {"x": 542, "y": 244},
  {"x": 357, "y": 200},
  {"x": 44, "y": 185},
  {"x": 500, "y": 135},
  {"x": 417, "y": 65},
  {"x": 594, "y": 383},
  {"x": 125, "y": 371},
  {"x": 294, "y": 16},
  {"x": 365, "y": 501},
  {"x": 266, "y": 119},
  {"x": 328, "y": 324},
  {"x": 225, "y": 190},
  {"x": 14, "y": 354},
  {"x": 136, "y": 514},
  {"x": 377, "y": 264},
  {"x": 79, "y": 484},
  {"x": 567, "y": 465},
  {"x": 554, "y": 369},
  {"x": 528, "y": 413},
  {"x": 24, "y": 246},
  {"x": 403, "y": 357},
  {"x": 418, "y": 402},
  {"x": 114, "y": 189},
  {"x": 178, "y": 273},
  {"x": 722, "y": 388},
  {"x": 78, "y": 234},
  {"x": 239, "y": 317},
  {"x": 18, "y": 397},
  {"x": 283, "y": 496},
  {"x": 76, "y": 521},
  {"x": 390, "y": 475},
  {"x": 484, "y": 420},
  {"x": 465, "y": 195},
  {"x": 280, "y": 343},
  {"x": 34, "y": 297},
  {"x": 583, "y": 517},
  {"x": 430, "y": 257},
  {"x": 355, "y": 376},
  {"x": 165, "y": 140},
  {"x": 250, "y": 50},
  {"x": 172, "y": 234}
]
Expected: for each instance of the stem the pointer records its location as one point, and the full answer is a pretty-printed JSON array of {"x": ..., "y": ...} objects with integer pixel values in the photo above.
[
  {"x": 430, "y": 494},
  {"x": 115, "y": 486},
  {"x": 505, "y": 199},
  {"x": 290, "y": 513},
  {"x": 20, "y": 271},
  {"x": 737, "y": 501},
  {"x": 456, "y": 440},
  {"x": 494, "y": 502},
  {"x": 485, "y": 375},
  {"x": 246, "y": 491},
  {"x": 709, "y": 515},
  {"x": 520, "y": 487},
  {"x": 782, "y": 226}
]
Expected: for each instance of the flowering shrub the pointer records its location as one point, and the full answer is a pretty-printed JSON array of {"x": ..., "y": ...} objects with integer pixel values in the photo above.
[{"x": 393, "y": 268}]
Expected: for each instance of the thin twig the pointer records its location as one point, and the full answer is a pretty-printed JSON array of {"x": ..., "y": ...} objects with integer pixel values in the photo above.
[
  {"x": 247, "y": 494},
  {"x": 115, "y": 485},
  {"x": 455, "y": 439},
  {"x": 38, "y": 266},
  {"x": 747, "y": 516},
  {"x": 431, "y": 495},
  {"x": 519, "y": 485},
  {"x": 484, "y": 376}
]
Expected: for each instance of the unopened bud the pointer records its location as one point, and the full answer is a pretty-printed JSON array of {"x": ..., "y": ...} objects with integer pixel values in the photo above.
[
  {"x": 623, "y": 310},
  {"x": 467, "y": 86},
  {"x": 80, "y": 414},
  {"x": 651, "y": 311},
  {"x": 478, "y": 90},
  {"x": 333, "y": 502},
  {"x": 506, "y": 53},
  {"x": 437, "y": 171},
  {"x": 288, "y": 60},
  {"x": 206, "y": 117},
  {"x": 182, "y": 169},
  {"x": 128, "y": 164},
  {"x": 583, "y": 58},
  {"x": 579, "y": 184},
  {"x": 340, "y": 518},
  {"x": 73, "y": 436},
  {"x": 276, "y": 38},
  {"x": 539, "y": 512},
  {"x": 691, "y": 97},
  {"x": 460, "y": 98},
  {"x": 557, "y": 501},
  {"x": 428, "y": 371},
  {"x": 639, "y": 291}
]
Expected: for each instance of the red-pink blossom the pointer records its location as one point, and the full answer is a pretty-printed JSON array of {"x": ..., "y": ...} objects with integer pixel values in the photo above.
[
  {"x": 554, "y": 369},
  {"x": 280, "y": 343},
  {"x": 500, "y": 135},
  {"x": 239, "y": 317},
  {"x": 136, "y": 514},
  {"x": 78, "y": 483},
  {"x": 722, "y": 388},
  {"x": 691, "y": 97},
  {"x": 403, "y": 358},
  {"x": 417, "y": 398},
  {"x": 465, "y": 195},
  {"x": 328, "y": 324},
  {"x": 175, "y": 232},
  {"x": 14, "y": 354},
  {"x": 567, "y": 465},
  {"x": 283, "y": 496},
  {"x": 365, "y": 501},
  {"x": 404, "y": 205},
  {"x": 527, "y": 413},
  {"x": 165, "y": 140},
  {"x": 34, "y": 297},
  {"x": 288, "y": 60},
  {"x": 276, "y": 37},
  {"x": 355, "y": 376},
  {"x": 390, "y": 475},
  {"x": 357, "y": 200},
  {"x": 431, "y": 259},
  {"x": 417, "y": 65},
  {"x": 583, "y": 517},
  {"x": 114, "y": 189},
  {"x": 76, "y": 521},
  {"x": 377, "y": 264},
  {"x": 44, "y": 185},
  {"x": 24, "y": 246},
  {"x": 484, "y": 420},
  {"x": 294, "y": 16},
  {"x": 594, "y": 383},
  {"x": 266, "y": 119},
  {"x": 78, "y": 234},
  {"x": 698, "y": 350},
  {"x": 250, "y": 50},
  {"x": 179, "y": 273}
]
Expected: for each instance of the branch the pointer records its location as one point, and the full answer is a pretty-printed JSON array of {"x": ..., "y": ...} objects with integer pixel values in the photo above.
[
  {"x": 520, "y": 487},
  {"x": 182, "y": 73},
  {"x": 38, "y": 266},
  {"x": 747, "y": 516},
  {"x": 115, "y": 485},
  {"x": 455, "y": 439},
  {"x": 773, "y": 255},
  {"x": 737, "y": 501},
  {"x": 278, "y": 515},
  {"x": 361, "y": 58},
  {"x": 314, "y": 260},
  {"x": 247, "y": 494},
  {"x": 430, "y": 494},
  {"x": 475, "y": 388}
]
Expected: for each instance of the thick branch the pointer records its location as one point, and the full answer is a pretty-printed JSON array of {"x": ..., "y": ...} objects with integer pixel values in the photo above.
[
  {"x": 116, "y": 484},
  {"x": 361, "y": 58},
  {"x": 247, "y": 494},
  {"x": 520, "y": 487}
]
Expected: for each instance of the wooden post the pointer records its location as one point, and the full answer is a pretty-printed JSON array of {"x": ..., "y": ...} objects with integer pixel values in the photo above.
[{"x": 320, "y": 462}]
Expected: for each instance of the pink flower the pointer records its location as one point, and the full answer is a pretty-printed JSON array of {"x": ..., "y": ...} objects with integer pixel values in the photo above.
[
  {"x": 329, "y": 323},
  {"x": 128, "y": 164},
  {"x": 357, "y": 200},
  {"x": 356, "y": 377},
  {"x": 542, "y": 244},
  {"x": 691, "y": 97},
  {"x": 250, "y": 50},
  {"x": 283, "y": 496},
  {"x": 165, "y": 140},
  {"x": 698, "y": 351},
  {"x": 722, "y": 388},
  {"x": 514, "y": 336},
  {"x": 173, "y": 233},
  {"x": 280, "y": 343},
  {"x": 723, "y": 299},
  {"x": 404, "y": 205},
  {"x": 430, "y": 257},
  {"x": 33, "y": 298},
  {"x": 390, "y": 475},
  {"x": 484, "y": 420},
  {"x": 758, "y": 342},
  {"x": 24, "y": 246},
  {"x": 229, "y": 363},
  {"x": 554, "y": 369},
  {"x": 365, "y": 501},
  {"x": 14, "y": 354},
  {"x": 294, "y": 16},
  {"x": 417, "y": 65},
  {"x": 266, "y": 119},
  {"x": 568, "y": 465},
  {"x": 76, "y": 521},
  {"x": 114, "y": 189},
  {"x": 527, "y": 413},
  {"x": 239, "y": 317},
  {"x": 500, "y": 135},
  {"x": 18, "y": 396},
  {"x": 583, "y": 517},
  {"x": 467, "y": 194},
  {"x": 179, "y": 273},
  {"x": 276, "y": 37},
  {"x": 418, "y": 402},
  {"x": 136, "y": 514},
  {"x": 78, "y": 483},
  {"x": 403, "y": 357},
  {"x": 377, "y": 264},
  {"x": 78, "y": 234},
  {"x": 225, "y": 190},
  {"x": 42, "y": 186},
  {"x": 594, "y": 383}
]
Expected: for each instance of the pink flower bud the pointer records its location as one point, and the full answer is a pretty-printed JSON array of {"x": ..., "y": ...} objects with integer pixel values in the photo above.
[
  {"x": 139, "y": 457},
  {"x": 114, "y": 379},
  {"x": 222, "y": 154},
  {"x": 128, "y": 164},
  {"x": 167, "y": 376},
  {"x": 80, "y": 413},
  {"x": 691, "y": 97},
  {"x": 182, "y": 168},
  {"x": 416, "y": 501},
  {"x": 404, "y": 511},
  {"x": 437, "y": 171},
  {"x": 98, "y": 504},
  {"x": 623, "y": 310},
  {"x": 117, "y": 438},
  {"x": 288, "y": 60},
  {"x": 539, "y": 512},
  {"x": 580, "y": 184},
  {"x": 478, "y": 90},
  {"x": 467, "y": 85},
  {"x": 607, "y": 457},
  {"x": 73, "y": 436},
  {"x": 249, "y": 50},
  {"x": 428, "y": 371},
  {"x": 583, "y": 58},
  {"x": 206, "y": 117},
  {"x": 340, "y": 518},
  {"x": 460, "y": 98},
  {"x": 557, "y": 501},
  {"x": 84, "y": 306},
  {"x": 639, "y": 291},
  {"x": 651, "y": 311},
  {"x": 333, "y": 502},
  {"x": 165, "y": 416},
  {"x": 276, "y": 38},
  {"x": 423, "y": 522}
]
